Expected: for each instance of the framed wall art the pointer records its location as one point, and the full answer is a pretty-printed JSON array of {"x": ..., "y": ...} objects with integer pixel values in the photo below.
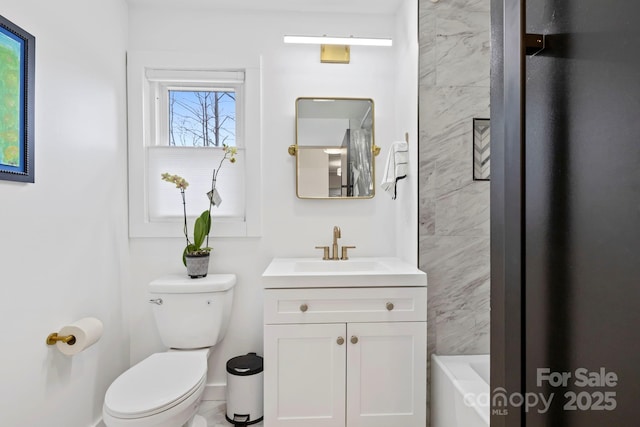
[
  {"x": 481, "y": 149},
  {"x": 17, "y": 78}
]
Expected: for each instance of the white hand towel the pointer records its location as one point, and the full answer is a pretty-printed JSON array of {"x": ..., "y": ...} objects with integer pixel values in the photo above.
[{"x": 397, "y": 167}]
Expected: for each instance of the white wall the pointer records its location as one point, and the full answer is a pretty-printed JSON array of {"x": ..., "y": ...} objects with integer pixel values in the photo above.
[
  {"x": 291, "y": 227},
  {"x": 63, "y": 240},
  {"x": 406, "y": 84}
]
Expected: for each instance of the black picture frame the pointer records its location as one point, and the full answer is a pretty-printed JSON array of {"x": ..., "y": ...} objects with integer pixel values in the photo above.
[
  {"x": 17, "y": 88},
  {"x": 481, "y": 149}
]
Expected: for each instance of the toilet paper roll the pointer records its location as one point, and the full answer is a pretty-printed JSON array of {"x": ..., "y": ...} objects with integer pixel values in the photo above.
[{"x": 87, "y": 332}]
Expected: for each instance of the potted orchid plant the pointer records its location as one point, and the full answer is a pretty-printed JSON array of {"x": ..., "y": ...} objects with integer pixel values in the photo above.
[{"x": 195, "y": 255}]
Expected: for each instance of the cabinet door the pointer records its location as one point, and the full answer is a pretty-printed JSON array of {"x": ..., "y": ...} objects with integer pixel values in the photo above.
[
  {"x": 386, "y": 374},
  {"x": 304, "y": 375}
]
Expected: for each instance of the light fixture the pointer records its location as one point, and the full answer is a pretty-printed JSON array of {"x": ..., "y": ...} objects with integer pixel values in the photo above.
[
  {"x": 352, "y": 41},
  {"x": 337, "y": 50}
]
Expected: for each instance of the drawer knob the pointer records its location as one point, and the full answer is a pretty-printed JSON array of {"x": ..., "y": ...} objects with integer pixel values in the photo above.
[
  {"x": 354, "y": 340},
  {"x": 304, "y": 307},
  {"x": 390, "y": 306},
  {"x": 340, "y": 340}
]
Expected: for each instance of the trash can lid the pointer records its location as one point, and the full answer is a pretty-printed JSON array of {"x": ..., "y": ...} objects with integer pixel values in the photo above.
[{"x": 249, "y": 364}]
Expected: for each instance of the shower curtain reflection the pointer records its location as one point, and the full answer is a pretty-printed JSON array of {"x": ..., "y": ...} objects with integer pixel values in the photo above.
[{"x": 360, "y": 163}]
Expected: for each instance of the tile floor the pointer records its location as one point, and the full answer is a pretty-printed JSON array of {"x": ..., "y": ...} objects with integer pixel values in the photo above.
[{"x": 214, "y": 411}]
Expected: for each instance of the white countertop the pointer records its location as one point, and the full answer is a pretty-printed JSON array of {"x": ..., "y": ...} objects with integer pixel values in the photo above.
[{"x": 354, "y": 272}]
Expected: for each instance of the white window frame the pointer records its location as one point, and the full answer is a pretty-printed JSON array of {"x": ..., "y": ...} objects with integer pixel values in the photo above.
[
  {"x": 161, "y": 81},
  {"x": 149, "y": 74}
]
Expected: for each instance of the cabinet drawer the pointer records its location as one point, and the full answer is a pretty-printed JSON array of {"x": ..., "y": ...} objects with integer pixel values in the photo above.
[{"x": 395, "y": 304}]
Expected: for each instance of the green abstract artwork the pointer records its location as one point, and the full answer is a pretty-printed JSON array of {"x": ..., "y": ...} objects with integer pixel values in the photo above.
[
  {"x": 10, "y": 79},
  {"x": 17, "y": 89}
]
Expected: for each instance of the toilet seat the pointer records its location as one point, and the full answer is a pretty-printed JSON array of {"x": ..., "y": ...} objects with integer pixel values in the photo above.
[{"x": 158, "y": 383}]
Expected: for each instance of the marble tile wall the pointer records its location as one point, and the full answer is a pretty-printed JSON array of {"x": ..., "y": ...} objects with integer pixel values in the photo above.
[{"x": 454, "y": 209}]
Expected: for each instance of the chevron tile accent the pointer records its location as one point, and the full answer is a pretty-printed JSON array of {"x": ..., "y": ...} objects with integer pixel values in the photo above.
[{"x": 481, "y": 149}]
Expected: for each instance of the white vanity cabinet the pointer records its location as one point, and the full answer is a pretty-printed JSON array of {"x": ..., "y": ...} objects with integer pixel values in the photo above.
[{"x": 336, "y": 357}]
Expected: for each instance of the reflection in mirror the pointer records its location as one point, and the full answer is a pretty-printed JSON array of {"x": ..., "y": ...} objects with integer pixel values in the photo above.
[{"x": 335, "y": 139}]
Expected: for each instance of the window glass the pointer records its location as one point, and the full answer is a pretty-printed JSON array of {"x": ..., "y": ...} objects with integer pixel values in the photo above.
[{"x": 201, "y": 118}]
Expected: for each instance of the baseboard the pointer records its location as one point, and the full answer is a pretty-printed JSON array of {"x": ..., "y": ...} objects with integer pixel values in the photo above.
[{"x": 215, "y": 392}]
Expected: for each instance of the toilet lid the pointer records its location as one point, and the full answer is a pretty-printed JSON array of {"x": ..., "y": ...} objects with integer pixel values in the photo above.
[{"x": 157, "y": 383}]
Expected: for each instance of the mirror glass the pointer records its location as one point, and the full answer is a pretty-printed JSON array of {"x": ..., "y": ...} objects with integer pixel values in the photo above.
[{"x": 335, "y": 140}]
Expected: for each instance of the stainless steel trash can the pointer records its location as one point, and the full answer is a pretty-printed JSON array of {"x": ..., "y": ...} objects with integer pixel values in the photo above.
[{"x": 244, "y": 390}]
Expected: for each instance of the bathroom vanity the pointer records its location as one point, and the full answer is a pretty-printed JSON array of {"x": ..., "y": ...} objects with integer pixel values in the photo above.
[{"x": 344, "y": 343}]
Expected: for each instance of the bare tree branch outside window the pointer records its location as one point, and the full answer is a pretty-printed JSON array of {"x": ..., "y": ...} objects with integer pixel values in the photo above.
[{"x": 202, "y": 118}]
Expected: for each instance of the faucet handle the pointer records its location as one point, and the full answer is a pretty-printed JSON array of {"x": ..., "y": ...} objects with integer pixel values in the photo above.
[
  {"x": 325, "y": 253},
  {"x": 344, "y": 252}
]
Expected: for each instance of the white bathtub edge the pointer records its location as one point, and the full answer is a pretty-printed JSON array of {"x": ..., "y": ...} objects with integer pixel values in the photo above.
[{"x": 456, "y": 390}]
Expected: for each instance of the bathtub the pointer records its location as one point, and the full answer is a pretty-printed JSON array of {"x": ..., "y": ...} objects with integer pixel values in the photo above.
[{"x": 460, "y": 395}]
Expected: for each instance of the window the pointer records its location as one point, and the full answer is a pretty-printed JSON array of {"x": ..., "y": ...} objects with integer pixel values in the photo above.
[
  {"x": 202, "y": 118},
  {"x": 187, "y": 116},
  {"x": 196, "y": 112}
]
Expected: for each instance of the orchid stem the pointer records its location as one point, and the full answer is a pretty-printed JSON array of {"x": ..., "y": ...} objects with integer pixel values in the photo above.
[
  {"x": 213, "y": 187},
  {"x": 184, "y": 208}
]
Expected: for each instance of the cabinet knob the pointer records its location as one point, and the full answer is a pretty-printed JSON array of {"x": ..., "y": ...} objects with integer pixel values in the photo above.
[
  {"x": 354, "y": 340},
  {"x": 304, "y": 307},
  {"x": 340, "y": 340},
  {"x": 390, "y": 306}
]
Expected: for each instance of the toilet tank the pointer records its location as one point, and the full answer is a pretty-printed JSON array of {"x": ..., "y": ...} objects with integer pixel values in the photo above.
[{"x": 192, "y": 313}]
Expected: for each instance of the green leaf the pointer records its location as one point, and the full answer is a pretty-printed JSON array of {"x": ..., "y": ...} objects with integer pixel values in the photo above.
[
  {"x": 201, "y": 229},
  {"x": 187, "y": 250},
  {"x": 206, "y": 217}
]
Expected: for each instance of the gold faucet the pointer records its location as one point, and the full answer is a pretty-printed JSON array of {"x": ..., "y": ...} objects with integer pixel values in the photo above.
[
  {"x": 336, "y": 236},
  {"x": 334, "y": 248}
]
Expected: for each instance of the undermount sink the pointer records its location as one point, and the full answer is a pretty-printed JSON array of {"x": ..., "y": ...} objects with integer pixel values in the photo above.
[
  {"x": 335, "y": 266},
  {"x": 354, "y": 272}
]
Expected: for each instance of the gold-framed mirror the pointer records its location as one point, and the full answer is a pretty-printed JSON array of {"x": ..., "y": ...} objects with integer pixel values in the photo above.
[{"x": 335, "y": 148}]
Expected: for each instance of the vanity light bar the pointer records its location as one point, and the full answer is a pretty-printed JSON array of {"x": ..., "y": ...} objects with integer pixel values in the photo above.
[{"x": 352, "y": 41}]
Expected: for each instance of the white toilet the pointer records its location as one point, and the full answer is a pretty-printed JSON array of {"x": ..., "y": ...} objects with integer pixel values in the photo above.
[{"x": 164, "y": 390}]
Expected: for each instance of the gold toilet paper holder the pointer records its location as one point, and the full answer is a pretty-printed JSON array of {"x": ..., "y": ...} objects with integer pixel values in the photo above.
[{"x": 54, "y": 337}]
